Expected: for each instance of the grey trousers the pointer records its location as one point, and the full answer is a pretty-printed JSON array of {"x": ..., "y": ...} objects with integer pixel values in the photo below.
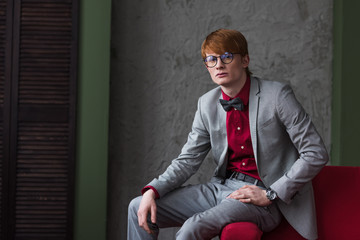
[{"x": 201, "y": 211}]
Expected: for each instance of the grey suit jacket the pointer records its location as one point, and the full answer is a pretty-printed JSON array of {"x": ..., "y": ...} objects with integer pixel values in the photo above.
[{"x": 288, "y": 150}]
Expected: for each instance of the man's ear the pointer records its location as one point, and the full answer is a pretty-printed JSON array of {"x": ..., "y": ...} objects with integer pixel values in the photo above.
[{"x": 245, "y": 61}]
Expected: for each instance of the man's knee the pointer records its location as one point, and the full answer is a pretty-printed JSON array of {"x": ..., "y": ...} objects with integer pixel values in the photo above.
[
  {"x": 192, "y": 230},
  {"x": 134, "y": 206}
]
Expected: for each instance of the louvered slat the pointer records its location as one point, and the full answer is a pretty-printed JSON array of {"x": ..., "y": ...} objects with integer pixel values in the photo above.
[
  {"x": 44, "y": 157},
  {"x": 42, "y": 180},
  {"x": 45, "y": 49},
  {"x": 2, "y": 82}
]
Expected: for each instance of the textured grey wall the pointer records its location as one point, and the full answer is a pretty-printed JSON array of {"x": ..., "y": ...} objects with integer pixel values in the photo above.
[{"x": 157, "y": 76}]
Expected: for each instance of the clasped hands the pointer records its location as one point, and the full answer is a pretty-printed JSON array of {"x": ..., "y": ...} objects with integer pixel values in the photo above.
[{"x": 247, "y": 194}]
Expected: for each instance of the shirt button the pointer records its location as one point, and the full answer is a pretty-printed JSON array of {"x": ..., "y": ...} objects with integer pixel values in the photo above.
[
  {"x": 238, "y": 128},
  {"x": 243, "y": 164},
  {"x": 242, "y": 147}
]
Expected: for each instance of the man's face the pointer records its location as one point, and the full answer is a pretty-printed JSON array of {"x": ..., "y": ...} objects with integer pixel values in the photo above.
[{"x": 231, "y": 74}]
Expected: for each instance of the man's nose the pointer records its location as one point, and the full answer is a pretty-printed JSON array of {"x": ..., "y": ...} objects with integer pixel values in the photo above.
[{"x": 219, "y": 63}]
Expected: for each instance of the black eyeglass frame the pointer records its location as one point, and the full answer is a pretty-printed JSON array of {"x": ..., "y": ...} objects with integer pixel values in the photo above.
[{"x": 222, "y": 57}]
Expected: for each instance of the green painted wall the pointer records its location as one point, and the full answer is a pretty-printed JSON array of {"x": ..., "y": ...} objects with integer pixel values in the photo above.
[
  {"x": 92, "y": 122},
  {"x": 346, "y": 84}
]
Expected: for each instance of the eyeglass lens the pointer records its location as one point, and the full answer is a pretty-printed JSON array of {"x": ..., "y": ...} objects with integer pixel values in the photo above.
[{"x": 211, "y": 61}]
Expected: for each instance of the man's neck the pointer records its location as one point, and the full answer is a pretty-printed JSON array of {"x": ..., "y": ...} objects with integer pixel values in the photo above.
[{"x": 234, "y": 89}]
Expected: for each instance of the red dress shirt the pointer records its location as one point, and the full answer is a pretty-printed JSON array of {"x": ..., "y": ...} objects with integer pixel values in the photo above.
[{"x": 240, "y": 151}]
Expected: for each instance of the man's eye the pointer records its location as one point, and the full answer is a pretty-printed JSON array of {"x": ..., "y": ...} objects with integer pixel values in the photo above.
[
  {"x": 225, "y": 56},
  {"x": 211, "y": 59}
]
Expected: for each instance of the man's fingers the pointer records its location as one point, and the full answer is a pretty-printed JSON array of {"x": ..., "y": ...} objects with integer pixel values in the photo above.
[
  {"x": 147, "y": 206},
  {"x": 153, "y": 214},
  {"x": 245, "y": 200},
  {"x": 236, "y": 195},
  {"x": 142, "y": 218},
  {"x": 143, "y": 222},
  {"x": 250, "y": 194}
]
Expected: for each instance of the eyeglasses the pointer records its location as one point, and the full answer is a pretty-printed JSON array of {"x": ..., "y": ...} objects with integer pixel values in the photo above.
[{"x": 226, "y": 58}]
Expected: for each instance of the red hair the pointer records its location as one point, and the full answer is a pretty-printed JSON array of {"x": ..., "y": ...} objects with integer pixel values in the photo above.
[{"x": 225, "y": 40}]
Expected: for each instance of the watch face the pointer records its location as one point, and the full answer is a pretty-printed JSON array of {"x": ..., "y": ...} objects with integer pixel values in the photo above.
[{"x": 271, "y": 195}]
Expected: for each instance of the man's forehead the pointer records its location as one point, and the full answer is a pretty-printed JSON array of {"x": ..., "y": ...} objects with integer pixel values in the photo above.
[{"x": 212, "y": 53}]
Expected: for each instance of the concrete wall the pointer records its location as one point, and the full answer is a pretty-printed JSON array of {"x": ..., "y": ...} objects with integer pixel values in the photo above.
[{"x": 157, "y": 76}]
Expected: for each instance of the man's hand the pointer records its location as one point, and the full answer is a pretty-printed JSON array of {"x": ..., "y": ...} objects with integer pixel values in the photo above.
[
  {"x": 251, "y": 194},
  {"x": 147, "y": 205}
]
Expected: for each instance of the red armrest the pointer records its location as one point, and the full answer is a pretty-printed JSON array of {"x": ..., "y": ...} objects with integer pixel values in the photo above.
[{"x": 337, "y": 194}]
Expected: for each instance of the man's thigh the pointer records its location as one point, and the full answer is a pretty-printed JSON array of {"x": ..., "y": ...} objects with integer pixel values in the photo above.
[
  {"x": 231, "y": 210},
  {"x": 177, "y": 206},
  {"x": 208, "y": 202},
  {"x": 226, "y": 211}
]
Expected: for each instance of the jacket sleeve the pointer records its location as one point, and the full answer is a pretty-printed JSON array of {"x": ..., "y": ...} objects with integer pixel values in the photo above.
[
  {"x": 188, "y": 162},
  {"x": 312, "y": 153}
]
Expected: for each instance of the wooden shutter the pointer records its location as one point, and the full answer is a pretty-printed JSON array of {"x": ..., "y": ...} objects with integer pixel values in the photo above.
[
  {"x": 42, "y": 99},
  {"x": 2, "y": 90}
]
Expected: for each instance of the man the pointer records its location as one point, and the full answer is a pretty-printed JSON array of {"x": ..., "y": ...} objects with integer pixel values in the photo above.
[{"x": 265, "y": 147}]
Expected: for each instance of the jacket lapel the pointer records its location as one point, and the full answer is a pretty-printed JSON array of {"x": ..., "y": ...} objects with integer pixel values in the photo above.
[
  {"x": 221, "y": 115},
  {"x": 253, "y": 112},
  {"x": 223, "y": 140}
]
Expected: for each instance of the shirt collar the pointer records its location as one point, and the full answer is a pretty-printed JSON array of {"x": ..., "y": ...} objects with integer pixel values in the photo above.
[{"x": 243, "y": 94}]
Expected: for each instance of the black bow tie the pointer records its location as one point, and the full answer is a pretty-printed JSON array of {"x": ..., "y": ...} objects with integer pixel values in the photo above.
[{"x": 235, "y": 103}]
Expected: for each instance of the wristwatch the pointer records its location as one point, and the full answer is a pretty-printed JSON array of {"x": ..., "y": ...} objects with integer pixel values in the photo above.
[{"x": 271, "y": 194}]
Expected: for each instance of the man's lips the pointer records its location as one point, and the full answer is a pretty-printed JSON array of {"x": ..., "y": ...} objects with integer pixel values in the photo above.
[{"x": 222, "y": 74}]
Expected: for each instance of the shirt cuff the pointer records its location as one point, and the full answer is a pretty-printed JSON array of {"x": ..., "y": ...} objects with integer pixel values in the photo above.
[{"x": 152, "y": 188}]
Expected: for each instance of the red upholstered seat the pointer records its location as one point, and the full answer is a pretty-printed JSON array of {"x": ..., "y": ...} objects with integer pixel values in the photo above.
[
  {"x": 248, "y": 230},
  {"x": 337, "y": 194}
]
